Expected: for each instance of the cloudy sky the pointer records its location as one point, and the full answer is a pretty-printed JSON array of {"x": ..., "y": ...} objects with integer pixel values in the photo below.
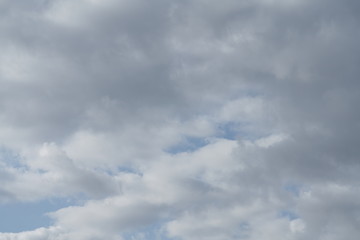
[{"x": 179, "y": 119}]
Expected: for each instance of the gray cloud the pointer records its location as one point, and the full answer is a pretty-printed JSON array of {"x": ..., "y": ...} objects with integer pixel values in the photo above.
[{"x": 95, "y": 93}]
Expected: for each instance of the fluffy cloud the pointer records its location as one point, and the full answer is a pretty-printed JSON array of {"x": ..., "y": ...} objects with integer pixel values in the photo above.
[{"x": 182, "y": 119}]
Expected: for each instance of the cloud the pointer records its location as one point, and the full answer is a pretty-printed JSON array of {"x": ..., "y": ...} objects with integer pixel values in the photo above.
[{"x": 182, "y": 119}]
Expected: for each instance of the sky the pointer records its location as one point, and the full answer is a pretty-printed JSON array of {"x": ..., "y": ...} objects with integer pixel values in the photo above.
[{"x": 179, "y": 119}]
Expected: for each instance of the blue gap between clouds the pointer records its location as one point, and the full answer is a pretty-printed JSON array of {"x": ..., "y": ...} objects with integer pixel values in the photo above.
[
  {"x": 18, "y": 217},
  {"x": 292, "y": 188},
  {"x": 25, "y": 216},
  {"x": 238, "y": 131},
  {"x": 229, "y": 130},
  {"x": 10, "y": 158},
  {"x": 189, "y": 144},
  {"x": 290, "y": 215}
]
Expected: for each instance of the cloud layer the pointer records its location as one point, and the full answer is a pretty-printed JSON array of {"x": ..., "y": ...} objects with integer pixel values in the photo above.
[{"x": 185, "y": 120}]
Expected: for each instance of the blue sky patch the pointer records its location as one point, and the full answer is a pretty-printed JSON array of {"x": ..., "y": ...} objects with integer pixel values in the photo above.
[
  {"x": 18, "y": 217},
  {"x": 189, "y": 144},
  {"x": 293, "y": 189},
  {"x": 288, "y": 214}
]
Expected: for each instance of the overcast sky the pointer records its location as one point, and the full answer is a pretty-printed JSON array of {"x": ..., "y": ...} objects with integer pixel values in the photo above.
[{"x": 179, "y": 119}]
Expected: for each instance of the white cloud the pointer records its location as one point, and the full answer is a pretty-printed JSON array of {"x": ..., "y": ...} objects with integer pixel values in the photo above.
[
  {"x": 270, "y": 140},
  {"x": 297, "y": 225}
]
